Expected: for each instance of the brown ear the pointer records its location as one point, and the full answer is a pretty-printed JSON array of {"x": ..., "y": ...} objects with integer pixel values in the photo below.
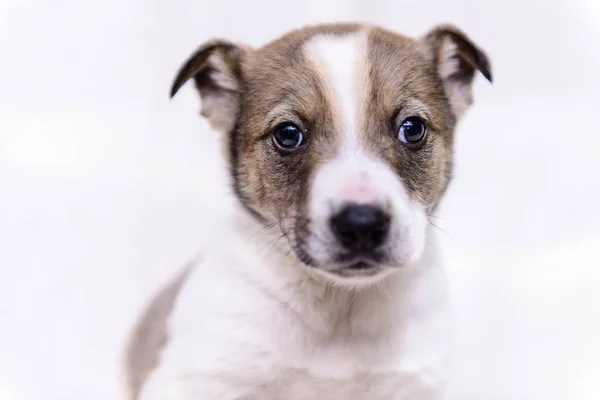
[
  {"x": 457, "y": 58},
  {"x": 215, "y": 67}
]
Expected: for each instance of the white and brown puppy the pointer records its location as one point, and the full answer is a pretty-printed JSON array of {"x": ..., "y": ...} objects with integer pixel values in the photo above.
[{"x": 340, "y": 143}]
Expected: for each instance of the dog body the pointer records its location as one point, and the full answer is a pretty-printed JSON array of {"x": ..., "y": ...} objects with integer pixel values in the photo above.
[
  {"x": 247, "y": 325},
  {"x": 327, "y": 281}
]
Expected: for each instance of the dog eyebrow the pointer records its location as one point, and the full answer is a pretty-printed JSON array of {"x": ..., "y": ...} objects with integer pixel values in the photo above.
[
  {"x": 414, "y": 106},
  {"x": 280, "y": 114},
  {"x": 150, "y": 334}
]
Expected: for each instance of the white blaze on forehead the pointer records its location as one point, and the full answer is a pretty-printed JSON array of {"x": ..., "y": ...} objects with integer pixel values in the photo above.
[
  {"x": 342, "y": 66},
  {"x": 354, "y": 175},
  {"x": 341, "y": 63}
]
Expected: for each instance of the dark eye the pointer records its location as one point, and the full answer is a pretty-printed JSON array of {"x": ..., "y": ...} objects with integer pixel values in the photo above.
[
  {"x": 412, "y": 130},
  {"x": 287, "y": 136}
]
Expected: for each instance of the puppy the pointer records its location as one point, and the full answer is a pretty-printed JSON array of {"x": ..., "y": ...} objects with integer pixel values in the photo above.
[{"x": 326, "y": 281}]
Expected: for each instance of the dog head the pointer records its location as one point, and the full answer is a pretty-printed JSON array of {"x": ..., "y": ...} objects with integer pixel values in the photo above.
[{"x": 342, "y": 135}]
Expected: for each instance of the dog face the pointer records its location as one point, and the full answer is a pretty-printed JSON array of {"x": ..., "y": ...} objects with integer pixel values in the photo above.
[{"x": 341, "y": 135}]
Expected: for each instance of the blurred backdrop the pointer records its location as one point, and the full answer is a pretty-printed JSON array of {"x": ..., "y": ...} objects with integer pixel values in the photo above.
[{"x": 106, "y": 186}]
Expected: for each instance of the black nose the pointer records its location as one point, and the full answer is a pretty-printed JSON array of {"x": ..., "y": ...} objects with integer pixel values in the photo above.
[{"x": 361, "y": 228}]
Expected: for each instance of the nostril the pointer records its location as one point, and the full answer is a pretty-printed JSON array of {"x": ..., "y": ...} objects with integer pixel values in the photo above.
[
  {"x": 347, "y": 235},
  {"x": 361, "y": 227},
  {"x": 378, "y": 235}
]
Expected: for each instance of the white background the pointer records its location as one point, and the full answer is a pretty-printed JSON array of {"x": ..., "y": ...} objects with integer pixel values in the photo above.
[{"x": 105, "y": 184}]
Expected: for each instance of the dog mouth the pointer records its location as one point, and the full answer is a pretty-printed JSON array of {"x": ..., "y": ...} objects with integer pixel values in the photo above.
[
  {"x": 354, "y": 267},
  {"x": 340, "y": 262},
  {"x": 357, "y": 266},
  {"x": 356, "y": 270},
  {"x": 363, "y": 265}
]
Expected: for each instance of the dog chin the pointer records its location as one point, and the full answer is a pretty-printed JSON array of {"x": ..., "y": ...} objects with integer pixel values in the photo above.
[
  {"x": 358, "y": 277},
  {"x": 359, "y": 273}
]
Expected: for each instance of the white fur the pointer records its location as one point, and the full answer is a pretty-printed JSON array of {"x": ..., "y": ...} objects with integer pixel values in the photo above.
[
  {"x": 338, "y": 61},
  {"x": 253, "y": 324}
]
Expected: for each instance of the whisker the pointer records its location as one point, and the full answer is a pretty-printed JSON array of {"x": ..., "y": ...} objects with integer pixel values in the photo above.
[
  {"x": 262, "y": 230},
  {"x": 436, "y": 217},
  {"x": 356, "y": 290},
  {"x": 273, "y": 242},
  {"x": 378, "y": 286},
  {"x": 335, "y": 290},
  {"x": 383, "y": 289},
  {"x": 346, "y": 297},
  {"x": 447, "y": 234},
  {"x": 271, "y": 225}
]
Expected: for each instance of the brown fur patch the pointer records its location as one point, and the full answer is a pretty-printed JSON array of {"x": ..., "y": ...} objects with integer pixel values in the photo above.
[
  {"x": 403, "y": 84},
  {"x": 279, "y": 77},
  {"x": 150, "y": 335}
]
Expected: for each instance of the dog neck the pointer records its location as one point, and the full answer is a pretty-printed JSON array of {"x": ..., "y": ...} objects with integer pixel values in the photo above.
[{"x": 324, "y": 305}]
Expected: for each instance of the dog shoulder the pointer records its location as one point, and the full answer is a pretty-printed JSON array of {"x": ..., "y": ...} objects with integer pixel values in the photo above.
[{"x": 206, "y": 329}]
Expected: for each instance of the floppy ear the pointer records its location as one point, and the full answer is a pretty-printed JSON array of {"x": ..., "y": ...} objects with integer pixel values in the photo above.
[
  {"x": 456, "y": 59},
  {"x": 215, "y": 67}
]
